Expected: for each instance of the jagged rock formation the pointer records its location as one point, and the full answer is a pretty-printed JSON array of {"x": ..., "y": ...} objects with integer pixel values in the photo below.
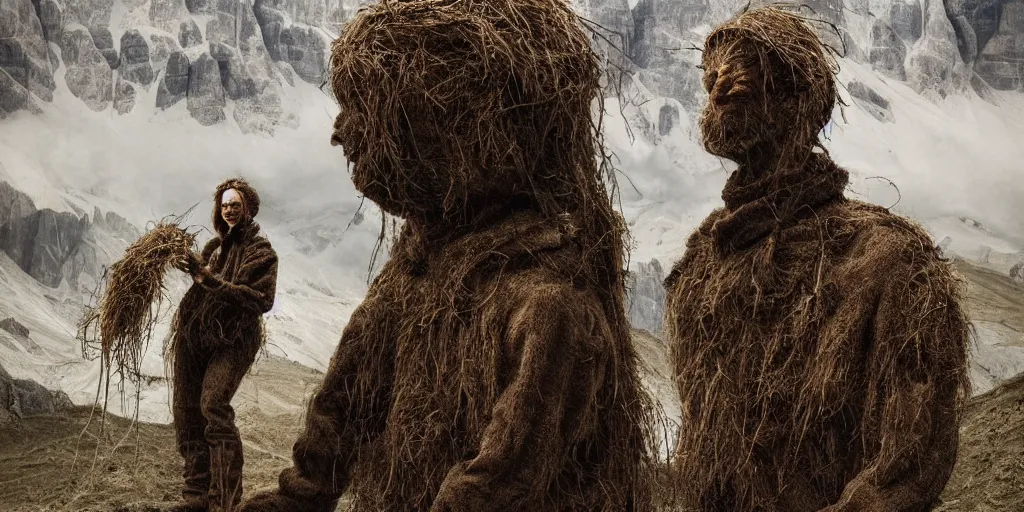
[
  {"x": 205, "y": 94},
  {"x": 7, "y": 407},
  {"x": 109, "y": 60},
  {"x": 262, "y": 48},
  {"x": 89, "y": 76},
  {"x": 14, "y": 327},
  {"x": 646, "y": 299},
  {"x": 1017, "y": 272},
  {"x": 990, "y": 36},
  {"x": 668, "y": 117},
  {"x": 888, "y": 51},
  {"x": 869, "y": 99},
  {"x": 25, "y": 64},
  {"x": 662, "y": 47},
  {"x": 134, "y": 65},
  {"x": 289, "y": 36},
  {"x": 55, "y": 246},
  {"x": 20, "y": 398},
  {"x": 124, "y": 97},
  {"x": 934, "y": 64},
  {"x": 175, "y": 83}
]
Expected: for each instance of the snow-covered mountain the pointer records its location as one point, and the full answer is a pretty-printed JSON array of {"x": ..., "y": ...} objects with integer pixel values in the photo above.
[{"x": 115, "y": 113}]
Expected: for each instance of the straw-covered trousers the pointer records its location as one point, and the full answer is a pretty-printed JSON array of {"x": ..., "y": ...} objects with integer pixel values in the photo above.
[{"x": 205, "y": 380}]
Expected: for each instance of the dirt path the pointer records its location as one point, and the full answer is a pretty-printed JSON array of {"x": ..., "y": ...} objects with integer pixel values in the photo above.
[{"x": 56, "y": 463}]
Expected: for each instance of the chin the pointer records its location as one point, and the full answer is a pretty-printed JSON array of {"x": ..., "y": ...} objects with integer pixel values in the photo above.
[
  {"x": 725, "y": 143},
  {"x": 725, "y": 147}
]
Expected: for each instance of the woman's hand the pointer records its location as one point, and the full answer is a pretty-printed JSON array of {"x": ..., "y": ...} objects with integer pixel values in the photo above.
[{"x": 191, "y": 265}]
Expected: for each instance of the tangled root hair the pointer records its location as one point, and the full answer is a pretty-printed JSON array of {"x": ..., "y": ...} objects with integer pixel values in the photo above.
[{"x": 790, "y": 65}]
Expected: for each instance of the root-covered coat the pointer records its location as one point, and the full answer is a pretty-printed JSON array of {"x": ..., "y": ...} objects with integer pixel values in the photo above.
[
  {"x": 820, "y": 348},
  {"x": 480, "y": 376},
  {"x": 216, "y": 335},
  {"x": 490, "y": 366}
]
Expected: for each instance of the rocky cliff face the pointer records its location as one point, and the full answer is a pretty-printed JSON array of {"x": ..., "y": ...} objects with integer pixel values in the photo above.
[
  {"x": 990, "y": 36},
  {"x": 20, "y": 398},
  {"x": 55, "y": 246},
  {"x": 646, "y": 299},
  {"x": 205, "y": 53},
  {"x": 240, "y": 57},
  {"x": 937, "y": 47}
]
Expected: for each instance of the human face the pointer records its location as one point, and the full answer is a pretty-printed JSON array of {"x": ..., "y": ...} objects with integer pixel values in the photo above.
[
  {"x": 734, "y": 119},
  {"x": 232, "y": 208}
]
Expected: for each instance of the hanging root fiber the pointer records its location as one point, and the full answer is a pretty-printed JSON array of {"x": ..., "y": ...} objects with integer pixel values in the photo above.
[{"x": 119, "y": 328}]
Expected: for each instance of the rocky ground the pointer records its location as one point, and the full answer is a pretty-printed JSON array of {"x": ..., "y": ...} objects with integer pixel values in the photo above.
[
  {"x": 989, "y": 475},
  {"x": 59, "y": 462},
  {"x": 54, "y": 462},
  {"x": 996, "y": 306}
]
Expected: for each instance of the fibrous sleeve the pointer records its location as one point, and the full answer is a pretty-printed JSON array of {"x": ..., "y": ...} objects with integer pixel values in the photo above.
[
  {"x": 256, "y": 284},
  {"x": 348, "y": 410},
  {"x": 532, "y": 423},
  {"x": 917, "y": 383}
]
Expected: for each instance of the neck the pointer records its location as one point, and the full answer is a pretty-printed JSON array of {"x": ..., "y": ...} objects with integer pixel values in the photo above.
[
  {"x": 240, "y": 226},
  {"x": 772, "y": 172},
  {"x": 760, "y": 160},
  {"x": 758, "y": 201},
  {"x": 445, "y": 227}
]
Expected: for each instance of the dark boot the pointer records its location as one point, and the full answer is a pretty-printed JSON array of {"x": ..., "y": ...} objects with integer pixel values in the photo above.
[
  {"x": 226, "y": 470},
  {"x": 196, "y": 473},
  {"x": 190, "y": 427}
]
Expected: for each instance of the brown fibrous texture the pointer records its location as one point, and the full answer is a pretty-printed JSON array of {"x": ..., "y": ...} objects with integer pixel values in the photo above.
[
  {"x": 446, "y": 104},
  {"x": 121, "y": 325},
  {"x": 826, "y": 363},
  {"x": 778, "y": 84},
  {"x": 454, "y": 114}
]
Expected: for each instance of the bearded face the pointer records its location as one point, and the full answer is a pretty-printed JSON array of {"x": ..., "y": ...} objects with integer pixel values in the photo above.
[
  {"x": 737, "y": 116},
  {"x": 419, "y": 165}
]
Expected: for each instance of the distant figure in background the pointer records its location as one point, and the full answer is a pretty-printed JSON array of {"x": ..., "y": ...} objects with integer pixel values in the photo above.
[
  {"x": 218, "y": 331},
  {"x": 819, "y": 343},
  {"x": 490, "y": 367}
]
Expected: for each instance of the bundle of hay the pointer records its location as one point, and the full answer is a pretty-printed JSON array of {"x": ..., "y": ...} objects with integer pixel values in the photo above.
[{"x": 128, "y": 308}]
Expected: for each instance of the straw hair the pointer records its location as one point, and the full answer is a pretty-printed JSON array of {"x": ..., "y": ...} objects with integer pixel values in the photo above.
[{"x": 772, "y": 83}]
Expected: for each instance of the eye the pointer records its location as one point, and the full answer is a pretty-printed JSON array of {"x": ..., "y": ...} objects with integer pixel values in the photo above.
[{"x": 709, "y": 79}]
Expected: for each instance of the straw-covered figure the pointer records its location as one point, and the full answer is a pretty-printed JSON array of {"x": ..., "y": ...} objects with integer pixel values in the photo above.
[
  {"x": 490, "y": 365},
  {"x": 217, "y": 333},
  {"x": 819, "y": 343}
]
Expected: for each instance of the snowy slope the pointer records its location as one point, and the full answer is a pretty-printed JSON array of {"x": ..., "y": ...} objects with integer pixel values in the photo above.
[{"x": 146, "y": 166}]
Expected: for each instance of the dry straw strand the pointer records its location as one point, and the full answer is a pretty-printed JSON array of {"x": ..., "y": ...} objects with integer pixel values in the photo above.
[{"x": 118, "y": 329}]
